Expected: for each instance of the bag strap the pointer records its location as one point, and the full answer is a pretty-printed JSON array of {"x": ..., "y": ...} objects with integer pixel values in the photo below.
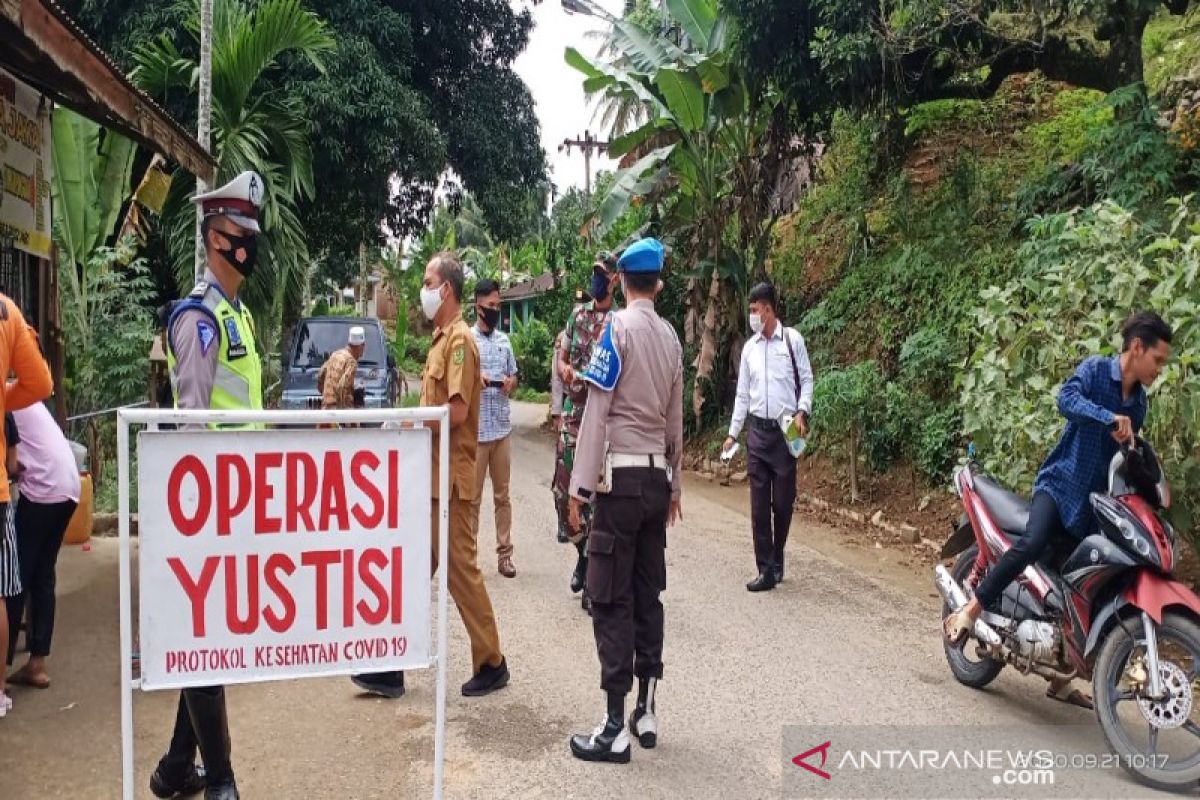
[{"x": 795, "y": 368}]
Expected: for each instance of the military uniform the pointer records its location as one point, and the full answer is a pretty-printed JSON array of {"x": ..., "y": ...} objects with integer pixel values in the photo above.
[
  {"x": 584, "y": 328},
  {"x": 213, "y": 361},
  {"x": 628, "y": 461}
]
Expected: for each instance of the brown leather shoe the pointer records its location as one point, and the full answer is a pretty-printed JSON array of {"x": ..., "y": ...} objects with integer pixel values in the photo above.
[{"x": 506, "y": 567}]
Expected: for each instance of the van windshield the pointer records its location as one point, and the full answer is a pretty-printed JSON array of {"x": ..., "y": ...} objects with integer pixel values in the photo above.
[{"x": 315, "y": 341}]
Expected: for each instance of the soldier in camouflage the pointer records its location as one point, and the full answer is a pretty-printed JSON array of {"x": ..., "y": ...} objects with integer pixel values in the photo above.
[{"x": 584, "y": 326}]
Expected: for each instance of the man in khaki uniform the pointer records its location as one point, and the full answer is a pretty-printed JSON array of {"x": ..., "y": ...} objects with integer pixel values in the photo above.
[
  {"x": 452, "y": 377},
  {"x": 627, "y": 459}
]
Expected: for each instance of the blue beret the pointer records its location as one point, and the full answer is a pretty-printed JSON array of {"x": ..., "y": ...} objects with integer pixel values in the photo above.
[{"x": 644, "y": 255}]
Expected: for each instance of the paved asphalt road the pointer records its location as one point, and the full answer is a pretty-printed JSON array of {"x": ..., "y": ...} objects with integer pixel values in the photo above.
[{"x": 829, "y": 647}]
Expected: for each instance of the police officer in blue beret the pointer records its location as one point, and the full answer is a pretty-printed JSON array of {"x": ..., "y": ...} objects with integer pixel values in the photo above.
[{"x": 627, "y": 460}]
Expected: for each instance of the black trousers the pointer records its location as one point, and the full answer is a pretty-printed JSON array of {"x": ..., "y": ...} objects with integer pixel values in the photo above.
[
  {"x": 1045, "y": 525},
  {"x": 627, "y": 570},
  {"x": 40, "y": 530},
  {"x": 201, "y": 722},
  {"x": 772, "y": 494}
]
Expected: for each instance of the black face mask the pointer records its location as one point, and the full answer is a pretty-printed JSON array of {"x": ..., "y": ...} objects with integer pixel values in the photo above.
[
  {"x": 247, "y": 243},
  {"x": 490, "y": 316},
  {"x": 600, "y": 287}
]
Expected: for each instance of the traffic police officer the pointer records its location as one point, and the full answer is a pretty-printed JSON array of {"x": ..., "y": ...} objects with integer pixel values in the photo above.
[
  {"x": 628, "y": 460},
  {"x": 214, "y": 365}
]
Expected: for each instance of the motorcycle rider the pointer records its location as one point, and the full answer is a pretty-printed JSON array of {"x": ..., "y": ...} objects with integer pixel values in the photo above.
[{"x": 1105, "y": 406}]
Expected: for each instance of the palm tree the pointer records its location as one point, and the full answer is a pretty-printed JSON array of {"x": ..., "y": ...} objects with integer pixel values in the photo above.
[{"x": 254, "y": 127}]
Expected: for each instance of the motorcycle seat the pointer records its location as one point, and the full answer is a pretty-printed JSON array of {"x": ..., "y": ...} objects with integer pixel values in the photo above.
[{"x": 1010, "y": 511}]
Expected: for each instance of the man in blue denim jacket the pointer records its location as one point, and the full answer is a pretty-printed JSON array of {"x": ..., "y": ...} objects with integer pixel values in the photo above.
[{"x": 1105, "y": 406}]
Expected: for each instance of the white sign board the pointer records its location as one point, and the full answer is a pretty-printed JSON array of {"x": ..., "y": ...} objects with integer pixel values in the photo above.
[
  {"x": 24, "y": 166},
  {"x": 279, "y": 554}
]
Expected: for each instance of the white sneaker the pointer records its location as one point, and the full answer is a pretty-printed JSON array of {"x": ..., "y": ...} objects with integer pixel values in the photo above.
[{"x": 5, "y": 704}]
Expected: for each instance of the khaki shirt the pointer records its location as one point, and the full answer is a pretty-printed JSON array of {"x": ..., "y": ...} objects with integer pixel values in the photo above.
[
  {"x": 335, "y": 381},
  {"x": 643, "y": 414},
  {"x": 452, "y": 370}
]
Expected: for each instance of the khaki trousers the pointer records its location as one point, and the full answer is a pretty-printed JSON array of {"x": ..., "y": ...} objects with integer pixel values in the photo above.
[
  {"x": 495, "y": 458},
  {"x": 466, "y": 584}
]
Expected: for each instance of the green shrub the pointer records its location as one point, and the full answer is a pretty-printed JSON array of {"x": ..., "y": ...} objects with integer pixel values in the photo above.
[
  {"x": 850, "y": 402},
  {"x": 937, "y": 115},
  {"x": 342, "y": 311},
  {"x": 525, "y": 394},
  {"x": 1063, "y": 138},
  {"x": 533, "y": 347},
  {"x": 416, "y": 350}
]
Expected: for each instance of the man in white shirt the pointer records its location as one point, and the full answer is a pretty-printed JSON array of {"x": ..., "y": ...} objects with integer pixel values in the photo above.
[{"x": 775, "y": 378}]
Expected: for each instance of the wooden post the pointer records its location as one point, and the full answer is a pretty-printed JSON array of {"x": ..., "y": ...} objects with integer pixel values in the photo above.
[{"x": 52, "y": 336}]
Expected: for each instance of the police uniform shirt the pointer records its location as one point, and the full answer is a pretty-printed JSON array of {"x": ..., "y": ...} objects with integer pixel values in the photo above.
[
  {"x": 197, "y": 352},
  {"x": 643, "y": 414},
  {"x": 452, "y": 370}
]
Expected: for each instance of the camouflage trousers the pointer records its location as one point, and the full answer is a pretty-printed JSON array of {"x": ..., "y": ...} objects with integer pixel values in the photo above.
[{"x": 564, "y": 462}]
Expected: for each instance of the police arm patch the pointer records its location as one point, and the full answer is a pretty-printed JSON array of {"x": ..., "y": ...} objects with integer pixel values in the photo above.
[
  {"x": 604, "y": 369},
  {"x": 459, "y": 354},
  {"x": 207, "y": 335}
]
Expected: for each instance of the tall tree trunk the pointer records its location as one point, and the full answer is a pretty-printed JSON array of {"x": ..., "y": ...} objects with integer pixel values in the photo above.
[
  {"x": 204, "y": 118},
  {"x": 708, "y": 346},
  {"x": 854, "y": 464}
]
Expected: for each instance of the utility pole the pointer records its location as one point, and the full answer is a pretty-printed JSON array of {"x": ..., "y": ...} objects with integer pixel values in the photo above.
[
  {"x": 588, "y": 144},
  {"x": 202, "y": 125}
]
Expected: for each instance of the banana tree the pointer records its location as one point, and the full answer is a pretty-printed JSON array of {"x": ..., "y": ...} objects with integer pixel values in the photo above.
[
  {"x": 708, "y": 153},
  {"x": 92, "y": 169}
]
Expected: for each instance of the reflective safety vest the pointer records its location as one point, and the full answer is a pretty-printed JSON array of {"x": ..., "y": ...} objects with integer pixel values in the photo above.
[{"x": 237, "y": 384}]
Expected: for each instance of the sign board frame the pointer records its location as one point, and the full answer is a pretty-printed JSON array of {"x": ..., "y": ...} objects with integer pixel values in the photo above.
[{"x": 153, "y": 418}]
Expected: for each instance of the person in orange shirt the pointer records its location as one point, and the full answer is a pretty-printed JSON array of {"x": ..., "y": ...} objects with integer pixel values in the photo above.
[{"x": 20, "y": 357}]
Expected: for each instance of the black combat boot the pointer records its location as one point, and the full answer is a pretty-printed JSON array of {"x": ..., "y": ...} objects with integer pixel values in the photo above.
[
  {"x": 211, "y": 723},
  {"x": 642, "y": 722},
  {"x": 176, "y": 774},
  {"x": 609, "y": 742}
]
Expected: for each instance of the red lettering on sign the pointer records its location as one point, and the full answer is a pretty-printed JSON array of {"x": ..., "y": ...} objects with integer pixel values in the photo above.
[
  {"x": 347, "y": 588},
  {"x": 333, "y": 493},
  {"x": 264, "y": 491},
  {"x": 299, "y": 507},
  {"x": 233, "y": 495},
  {"x": 397, "y": 585},
  {"x": 321, "y": 560},
  {"x": 196, "y": 590},
  {"x": 236, "y": 623},
  {"x": 394, "y": 489},
  {"x": 276, "y": 564},
  {"x": 361, "y": 459},
  {"x": 374, "y": 585},
  {"x": 189, "y": 465}
]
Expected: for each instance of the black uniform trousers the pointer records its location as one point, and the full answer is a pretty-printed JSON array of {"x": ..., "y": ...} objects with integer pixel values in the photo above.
[
  {"x": 627, "y": 570},
  {"x": 772, "y": 471}
]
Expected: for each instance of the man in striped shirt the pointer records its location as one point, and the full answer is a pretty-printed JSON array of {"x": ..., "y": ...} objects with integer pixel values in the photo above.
[{"x": 498, "y": 366}]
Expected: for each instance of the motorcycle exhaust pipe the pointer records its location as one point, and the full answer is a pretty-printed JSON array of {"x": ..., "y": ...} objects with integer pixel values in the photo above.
[{"x": 956, "y": 598}]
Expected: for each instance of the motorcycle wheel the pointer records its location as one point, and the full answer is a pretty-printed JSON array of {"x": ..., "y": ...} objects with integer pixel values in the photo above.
[
  {"x": 1122, "y": 714},
  {"x": 974, "y": 673}
]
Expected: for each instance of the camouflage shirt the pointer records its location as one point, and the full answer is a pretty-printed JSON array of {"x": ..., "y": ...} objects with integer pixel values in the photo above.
[{"x": 584, "y": 327}]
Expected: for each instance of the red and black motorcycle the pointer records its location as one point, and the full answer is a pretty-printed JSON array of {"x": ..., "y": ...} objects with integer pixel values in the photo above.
[{"x": 1105, "y": 609}]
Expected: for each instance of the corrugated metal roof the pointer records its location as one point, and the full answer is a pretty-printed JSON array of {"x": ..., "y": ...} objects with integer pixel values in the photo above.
[{"x": 43, "y": 46}]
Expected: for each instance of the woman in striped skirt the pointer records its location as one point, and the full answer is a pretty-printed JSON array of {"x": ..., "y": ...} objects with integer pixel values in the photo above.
[{"x": 10, "y": 569}]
